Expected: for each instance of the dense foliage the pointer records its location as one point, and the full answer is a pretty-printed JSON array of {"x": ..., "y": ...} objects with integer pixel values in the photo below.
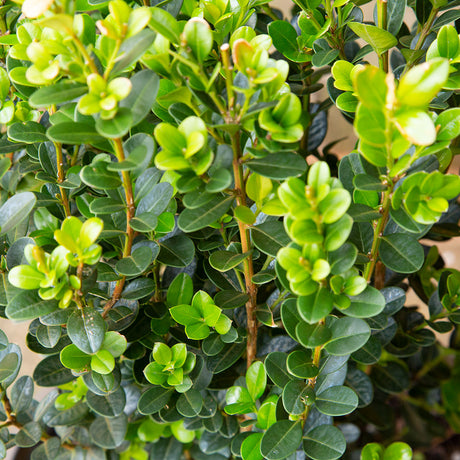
[{"x": 205, "y": 280}]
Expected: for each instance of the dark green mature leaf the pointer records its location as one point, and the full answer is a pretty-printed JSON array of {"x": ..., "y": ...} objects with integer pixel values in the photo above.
[
  {"x": 51, "y": 373},
  {"x": 109, "y": 405},
  {"x": 296, "y": 394},
  {"x": 336, "y": 401},
  {"x": 231, "y": 353},
  {"x": 348, "y": 335},
  {"x": 395, "y": 13},
  {"x": 275, "y": 365},
  {"x": 15, "y": 210},
  {"x": 139, "y": 260},
  {"x": 109, "y": 433},
  {"x": 8, "y": 366},
  {"x": 325, "y": 442},
  {"x": 73, "y": 133},
  {"x": 270, "y": 237},
  {"x": 143, "y": 94},
  {"x": 190, "y": 403},
  {"x": 154, "y": 399},
  {"x": 132, "y": 49},
  {"x": 139, "y": 288},
  {"x": 56, "y": 94},
  {"x": 97, "y": 175},
  {"x": 281, "y": 440},
  {"x": 191, "y": 220},
  {"x": 86, "y": 329},
  {"x": 391, "y": 377},
  {"x": 401, "y": 253},
  {"x": 21, "y": 394},
  {"x": 117, "y": 126},
  {"x": 156, "y": 200},
  {"x": 29, "y": 435},
  {"x": 28, "y": 132},
  {"x": 224, "y": 261},
  {"x": 367, "y": 304},
  {"x": 278, "y": 166},
  {"x": 29, "y": 305},
  {"x": 177, "y": 251}
]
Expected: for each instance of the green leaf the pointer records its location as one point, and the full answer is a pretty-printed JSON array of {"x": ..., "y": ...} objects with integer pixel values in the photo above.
[
  {"x": 275, "y": 365},
  {"x": 143, "y": 94},
  {"x": 296, "y": 394},
  {"x": 29, "y": 435},
  {"x": 22, "y": 393},
  {"x": 448, "y": 124},
  {"x": 224, "y": 261},
  {"x": 97, "y": 175},
  {"x": 372, "y": 451},
  {"x": 102, "y": 362},
  {"x": 15, "y": 210},
  {"x": 165, "y": 24},
  {"x": 325, "y": 442},
  {"x": 73, "y": 358},
  {"x": 109, "y": 433},
  {"x": 154, "y": 399},
  {"x": 132, "y": 49},
  {"x": 299, "y": 364},
  {"x": 281, "y": 440},
  {"x": 316, "y": 306},
  {"x": 139, "y": 288},
  {"x": 398, "y": 451},
  {"x": 28, "y": 305},
  {"x": 380, "y": 40},
  {"x": 28, "y": 132},
  {"x": 336, "y": 401},
  {"x": 270, "y": 237},
  {"x": 8, "y": 365},
  {"x": 392, "y": 377},
  {"x": 86, "y": 329},
  {"x": 57, "y": 94},
  {"x": 51, "y": 373},
  {"x": 139, "y": 260},
  {"x": 190, "y": 403},
  {"x": 157, "y": 200},
  {"x": 395, "y": 12},
  {"x": 284, "y": 38},
  {"x": 367, "y": 304},
  {"x": 422, "y": 83},
  {"x": 117, "y": 126},
  {"x": 250, "y": 448},
  {"x": 256, "y": 380},
  {"x": 401, "y": 253},
  {"x": 109, "y": 405},
  {"x": 73, "y": 133},
  {"x": 312, "y": 335},
  {"x": 180, "y": 291},
  {"x": 177, "y": 251},
  {"x": 191, "y": 220},
  {"x": 322, "y": 58},
  {"x": 278, "y": 166},
  {"x": 348, "y": 335}
]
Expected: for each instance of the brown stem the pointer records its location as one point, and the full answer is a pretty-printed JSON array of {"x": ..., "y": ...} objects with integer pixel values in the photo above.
[
  {"x": 61, "y": 178},
  {"x": 130, "y": 212},
  {"x": 251, "y": 288},
  {"x": 378, "y": 232}
]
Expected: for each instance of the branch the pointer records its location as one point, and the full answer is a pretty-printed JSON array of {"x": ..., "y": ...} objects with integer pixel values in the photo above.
[{"x": 130, "y": 212}]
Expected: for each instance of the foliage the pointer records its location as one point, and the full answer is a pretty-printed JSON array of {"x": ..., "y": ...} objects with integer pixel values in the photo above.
[{"x": 206, "y": 279}]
